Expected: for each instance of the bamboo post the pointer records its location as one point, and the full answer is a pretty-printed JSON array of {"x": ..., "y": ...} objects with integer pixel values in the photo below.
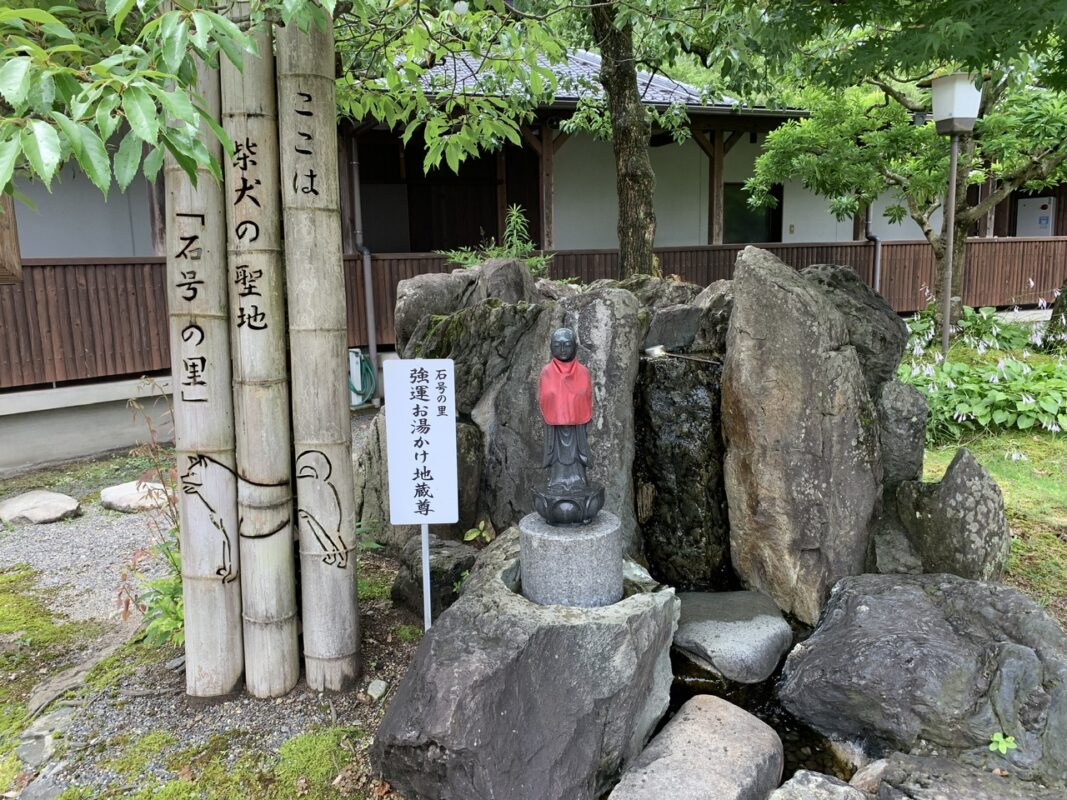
[
  {"x": 318, "y": 341},
  {"x": 195, "y": 243},
  {"x": 260, "y": 376}
]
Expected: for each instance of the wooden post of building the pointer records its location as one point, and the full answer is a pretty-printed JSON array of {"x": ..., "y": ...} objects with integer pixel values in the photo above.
[
  {"x": 716, "y": 191},
  {"x": 318, "y": 341},
  {"x": 260, "y": 375},
  {"x": 10, "y": 256},
  {"x": 548, "y": 188},
  {"x": 203, "y": 417},
  {"x": 501, "y": 193}
]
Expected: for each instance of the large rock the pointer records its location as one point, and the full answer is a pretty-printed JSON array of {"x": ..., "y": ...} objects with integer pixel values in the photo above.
[
  {"x": 717, "y": 301},
  {"x": 427, "y": 295},
  {"x": 678, "y": 475},
  {"x": 902, "y": 412},
  {"x": 803, "y": 471},
  {"x": 710, "y": 750},
  {"x": 903, "y": 662},
  {"x": 133, "y": 497},
  {"x": 371, "y": 486},
  {"x": 38, "y": 506},
  {"x": 805, "y": 785},
  {"x": 874, "y": 328},
  {"x": 958, "y": 525},
  {"x": 508, "y": 700},
  {"x": 924, "y": 778},
  {"x": 450, "y": 564},
  {"x": 738, "y": 636}
]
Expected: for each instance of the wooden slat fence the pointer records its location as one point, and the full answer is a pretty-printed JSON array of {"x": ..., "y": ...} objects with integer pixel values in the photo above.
[{"x": 87, "y": 319}]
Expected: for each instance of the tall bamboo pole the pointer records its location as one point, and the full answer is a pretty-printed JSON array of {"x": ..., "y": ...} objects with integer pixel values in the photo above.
[
  {"x": 260, "y": 376},
  {"x": 318, "y": 342},
  {"x": 203, "y": 418}
]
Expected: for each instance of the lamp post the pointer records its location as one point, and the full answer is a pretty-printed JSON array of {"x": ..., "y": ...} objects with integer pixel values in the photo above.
[{"x": 956, "y": 101}]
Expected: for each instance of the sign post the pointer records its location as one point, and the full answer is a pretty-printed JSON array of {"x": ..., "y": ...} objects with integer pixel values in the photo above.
[{"x": 420, "y": 438}]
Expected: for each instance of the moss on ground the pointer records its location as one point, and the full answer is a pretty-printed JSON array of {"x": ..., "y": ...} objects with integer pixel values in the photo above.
[
  {"x": 34, "y": 645},
  {"x": 135, "y": 754},
  {"x": 308, "y": 763},
  {"x": 121, "y": 664},
  {"x": 84, "y": 479},
  {"x": 1030, "y": 469},
  {"x": 408, "y": 633},
  {"x": 375, "y": 587}
]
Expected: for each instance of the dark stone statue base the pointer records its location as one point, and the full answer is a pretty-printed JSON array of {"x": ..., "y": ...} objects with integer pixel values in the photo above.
[{"x": 575, "y": 507}]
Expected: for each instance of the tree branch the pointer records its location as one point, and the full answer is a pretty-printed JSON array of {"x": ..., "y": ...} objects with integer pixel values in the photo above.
[{"x": 898, "y": 95}]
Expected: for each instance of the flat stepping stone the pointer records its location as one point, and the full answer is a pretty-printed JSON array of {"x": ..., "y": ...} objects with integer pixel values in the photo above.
[
  {"x": 710, "y": 750},
  {"x": 37, "y": 507},
  {"x": 134, "y": 496},
  {"x": 805, "y": 785},
  {"x": 738, "y": 636}
]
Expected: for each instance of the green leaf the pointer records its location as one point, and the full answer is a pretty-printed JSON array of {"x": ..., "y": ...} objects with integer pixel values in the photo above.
[
  {"x": 140, "y": 112},
  {"x": 40, "y": 143},
  {"x": 152, "y": 163},
  {"x": 70, "y": 131},
  {"x": 106, "y": 121},
  {"x": 1025, "y": 422},
  {"x": 117, "y": 11},
  {"x": 182, "y": 156},
  {"x": 127, "y": 159},
  {"x": 15, "y": 80},
  {"x": 175, "y": 36},
  {"x": 176, "y": 103},
  {"x": 9, "y": 151},
  {"x": 220, "y": 134},
  {"x": 93, "y": 159}
]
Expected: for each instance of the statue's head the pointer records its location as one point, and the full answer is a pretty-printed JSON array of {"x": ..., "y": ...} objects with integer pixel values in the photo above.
[{"x": 564, "y": 344}]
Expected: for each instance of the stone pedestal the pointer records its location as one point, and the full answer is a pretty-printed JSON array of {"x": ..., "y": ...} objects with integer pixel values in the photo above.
[{"x": 572, "y": 565}]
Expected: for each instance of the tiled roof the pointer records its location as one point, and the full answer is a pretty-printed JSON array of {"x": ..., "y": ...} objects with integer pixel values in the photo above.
[{"x": 579, "y": 76}]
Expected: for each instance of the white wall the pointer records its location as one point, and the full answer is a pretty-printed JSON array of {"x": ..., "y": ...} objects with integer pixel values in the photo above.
[
  {"x": 585, "y": 211},
  {"x": 806, "y": 217},
  {"x": 75, "y": 221}
]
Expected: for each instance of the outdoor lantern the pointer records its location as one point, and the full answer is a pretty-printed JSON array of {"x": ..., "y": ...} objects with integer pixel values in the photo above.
[{"x": 955, "y": 102}]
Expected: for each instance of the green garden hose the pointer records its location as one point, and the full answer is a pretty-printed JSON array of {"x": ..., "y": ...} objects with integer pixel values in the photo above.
[{"x": 368, "y": 378}]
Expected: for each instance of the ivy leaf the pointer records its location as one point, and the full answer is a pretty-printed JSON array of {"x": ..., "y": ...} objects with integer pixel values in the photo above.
[
  {"x": 15, "y": 80},
  {"x": 40, "y": 143},
  {"x": 9, "y": 151},
  {"x": 127, "y": 159},
  {"x": 140, "y": 112}
]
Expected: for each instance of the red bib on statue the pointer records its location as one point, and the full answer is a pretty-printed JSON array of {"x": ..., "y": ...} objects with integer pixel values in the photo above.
[{"x": 566, "y": 393}]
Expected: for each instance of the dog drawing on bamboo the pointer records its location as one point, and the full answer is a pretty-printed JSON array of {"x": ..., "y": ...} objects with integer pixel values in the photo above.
[
  {"x": 202, "y": 472},
  {"x": 313, "y": 471}
]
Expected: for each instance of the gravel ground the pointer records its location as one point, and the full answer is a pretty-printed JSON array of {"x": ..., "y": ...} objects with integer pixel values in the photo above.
[{"x": 82, "y": 558}]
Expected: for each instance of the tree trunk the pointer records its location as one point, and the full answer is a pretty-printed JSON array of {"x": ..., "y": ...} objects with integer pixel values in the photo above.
[
  {"x": 203, "y": 418},
  {"x": 630, "y": 132},
  {"x": 959, "y": 246},
  {"x": 318, "y": 336},
  {"x": 260, "y": 375}
]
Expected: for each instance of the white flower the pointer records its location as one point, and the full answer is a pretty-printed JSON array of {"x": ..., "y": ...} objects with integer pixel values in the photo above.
[
  {"x": 1041, "y": 303},
  {"x": 1000, "y": 365},
  {"x": 994, "y": 378},
  {"x": 917, "y": 350},
  {"x": 1027, "y": 399},
  {"x": 1031, "y": 282},
  {"x": 981, "y": 348},
  {"x": 1026, "y": 369},
  {"x": 1016, "y": 455},
  {"x": 949, "y": 384},
  {"x": 928, "y": 371},
  {"x": 1015, "y": 310},
  {"x": 938, "y": 358},
  {"x": 1052, "y": 427}
]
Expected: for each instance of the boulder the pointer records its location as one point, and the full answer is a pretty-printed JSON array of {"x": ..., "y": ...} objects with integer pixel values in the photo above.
[
  {"x": 958, "y": 525},
  {"x": 38, "y": 506},
  {"x": 893, "y": 553},
  {"x": 428, "y": 295},
  {"x": 709, "y": 749},
  {"x": 1055, "y": 334},
  {"x": 803, "y": 465},
  {"x": 133, "y": 497},
  {"x": 652, "y": 292},
  {"x": 508, "y": 699},
  {"x": 717, "y": 301},
  {"x": 492, "y": 560},
  {"x": 673, "y": 328},
  {"x": 924, "y": 778},
  {"x": 371, "y": 485},
  {"x": 869, "y": 777},
  {"x": 506, "y": 279},
  {"x": 806, "y": 785},
  {"x": 875, "y": 330},
  {"x": 450, "y": 562},
  {"x": 738, "y": 636},
  {"x": 552, "y": 290},
  {"x": 678, "y": 475},
  {"x": 907, "y": 662},
  {"x": 902, "y": 412}
]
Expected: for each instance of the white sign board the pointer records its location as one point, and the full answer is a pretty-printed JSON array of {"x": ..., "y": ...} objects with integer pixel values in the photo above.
[{"x": 420, "y": 435}]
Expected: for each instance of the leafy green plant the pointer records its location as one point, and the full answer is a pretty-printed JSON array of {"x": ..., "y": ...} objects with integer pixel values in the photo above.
[
  {"x": 1011, "y": 394},
  {"x": 977, "y": 328},
  {"x": 998, "y": 742},
  {"x": 457, "y": 585},
  {"x": 161, "y": 599},
  {"x": 408, "y": 633},
  {"x": 482, "y": 533},
  {"x": 515, "y": 244}
]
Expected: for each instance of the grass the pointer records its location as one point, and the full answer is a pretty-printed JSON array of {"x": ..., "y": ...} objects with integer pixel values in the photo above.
[
  {"x": 374, "y": 586},
  {"x": 84, "y": 479},
  {"x": 134, "y": 755},
  {"x": 1031, "y": 470},
  {"x": 408, "y": 633}
]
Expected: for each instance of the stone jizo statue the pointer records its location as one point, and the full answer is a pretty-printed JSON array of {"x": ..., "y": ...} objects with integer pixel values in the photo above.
[{"x": 565, "y": 395}]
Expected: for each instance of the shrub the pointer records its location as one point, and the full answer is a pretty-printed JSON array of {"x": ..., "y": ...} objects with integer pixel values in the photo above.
[{"x": 515, "y": 243}]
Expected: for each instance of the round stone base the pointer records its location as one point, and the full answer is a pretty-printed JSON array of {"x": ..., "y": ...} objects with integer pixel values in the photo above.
[{"x": 575, "y": 565}]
